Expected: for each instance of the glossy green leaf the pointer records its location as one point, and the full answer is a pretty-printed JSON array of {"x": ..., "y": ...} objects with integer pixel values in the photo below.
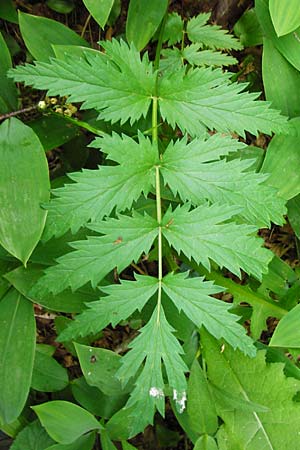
[
  {"x": 288, "y": 45},
  {"x": 40, "y": 33},
  {"x": 206, "y": 442},
  {"x": 127, "y": 446},
  {"x": 256, "y": 381},
  {"x": 85, "y": 442},
  {"x": 248, "y": 29},
  {"x": 61, "y": 6},
  {"x": 48, "y": 375},
  {"x": 5, "y": 266},
  {"x": 64, "y": 421},
  {"x": 99, "y": 9},
  {"x": 281, "y": 159},
  {"x": 143, "y": 19},
  {"x": 53, "y": 131},
  {"x": 287, "y": 332},
  {"x": 200, "y": 404},
  {"x": 32, "y": 437},
  {"x": 285, "y": 15},
  {"x": 64, "y": 51},
  {"x": 8, "y": 90},
  {"x": 8, "y": 11},
  {"x": 99, "y": 367},
  {"x": 281, "y": 81},
  {"x": 106, "y": 443},
  {"x": 23, "y": 279},
  {"x": 17, "y": 343},
  {"x": 24, "y": 185},
  {"x": 92, "y": 399},
  {"x": 294, "y": 214}
]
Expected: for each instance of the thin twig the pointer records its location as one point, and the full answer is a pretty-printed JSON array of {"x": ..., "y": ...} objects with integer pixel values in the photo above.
[
  {"x": 138, "y": 269},
  {"x": 85, "y": 25},
  {"x": 16, "y": 113}
]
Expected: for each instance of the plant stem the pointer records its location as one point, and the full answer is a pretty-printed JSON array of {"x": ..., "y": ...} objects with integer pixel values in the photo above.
[
  {"x": 157, "y": 172},
  {"x": 158, "y": 205}
]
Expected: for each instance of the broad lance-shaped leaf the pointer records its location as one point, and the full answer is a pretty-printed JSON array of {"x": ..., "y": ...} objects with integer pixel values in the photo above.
[
  {"x": 192, "y": 296},
  {"x": 155, "y": 344},
  {"x": 192, "y": 170},
  {"x": 118, "y": 84},
  {"x": 123, "y": 241},
  {"x": 205, "y": 98},
  {"x": 201, "y": 235},
  {"x": 122, "y": 300},
  {"x": 210, "y": 35},
  {"x": 252, "y": 380},
  {"x": 96, "y": 193}
]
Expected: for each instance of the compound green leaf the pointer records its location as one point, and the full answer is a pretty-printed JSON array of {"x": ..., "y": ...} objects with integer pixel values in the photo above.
[
  {"x": 255, "y": 381},
  {"x": 124, "y": 240},
  {"x": 64, "y": 421},
  {"x": 192, "y": 295},
  {"x": 40, "y": 33},
  {"x": 174, "y": 58},
  {"x": 285, "y": 15},
  {"x": 201, "y": 234},
  {"x": 205, "y": 98},
  {"x": 195, "y": 57},
  {"x": 24, "y": 185},
  {"x": 122, "y": 300},
  {"x": 32, "y": 437},
  {"x": 278, "y": 72},
  {"x": 263, "y": 306},
  {"x": 17, "y": 343},
  {"x": 143, "y": 19},
  {"x": 186, "y": 171},
  {"x": 96, "y": 193},
  {"x": 155, "y": 344},
  {"x": 99, "y": 9},
  {"x": 173, "y": 29},
  {"x": 8, "y": 90},
  {"x": 210, "y": 35},
  {"x": 282, "y": 157},
  {"x": 118, "y": 84},
  {"x": 287, "y": 333}
]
